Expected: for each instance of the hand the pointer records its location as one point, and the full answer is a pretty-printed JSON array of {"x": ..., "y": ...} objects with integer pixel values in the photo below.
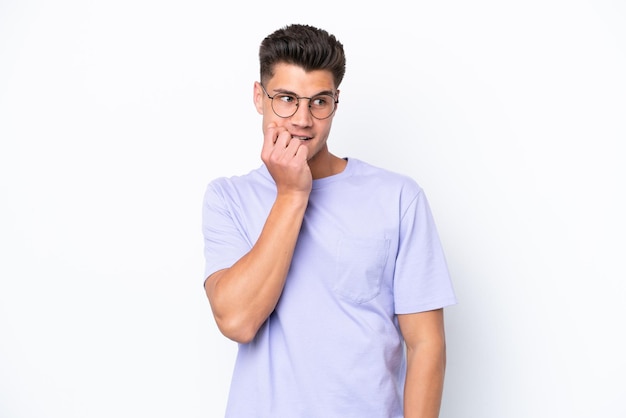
[{"x": 286, "y": 160}]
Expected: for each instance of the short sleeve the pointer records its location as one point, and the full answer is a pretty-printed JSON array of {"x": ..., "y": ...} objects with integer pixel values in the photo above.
[
  {"x": 224, "y": 241},
  {"x": 421, "y": 281}
]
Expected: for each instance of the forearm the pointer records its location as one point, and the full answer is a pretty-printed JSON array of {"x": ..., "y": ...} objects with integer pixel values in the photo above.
[
  {"x": 244, "y": 295},
  {"x": 424, "y": 381}
]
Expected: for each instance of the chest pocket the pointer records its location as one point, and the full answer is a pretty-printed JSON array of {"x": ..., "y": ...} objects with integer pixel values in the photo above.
[{"x": 359, "y": 268}]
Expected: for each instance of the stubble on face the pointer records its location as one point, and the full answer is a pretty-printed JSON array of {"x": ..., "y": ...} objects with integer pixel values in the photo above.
[{"x": 311, "y": 132}]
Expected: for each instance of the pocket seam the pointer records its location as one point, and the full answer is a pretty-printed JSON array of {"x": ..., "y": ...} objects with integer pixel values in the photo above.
[{"x": 362, "y": 286}]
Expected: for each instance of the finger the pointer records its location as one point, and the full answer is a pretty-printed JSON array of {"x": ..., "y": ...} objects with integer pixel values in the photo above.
[
  {"x": 270, "y": 134},
  {"x": 302, "y": 153},
  {"x": 283, "y": 139}
]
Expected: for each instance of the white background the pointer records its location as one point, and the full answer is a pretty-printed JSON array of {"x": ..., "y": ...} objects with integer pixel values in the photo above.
[{"x": 114, "y": 115}]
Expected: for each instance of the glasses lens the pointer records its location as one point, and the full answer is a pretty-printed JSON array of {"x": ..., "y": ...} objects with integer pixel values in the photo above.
[
  {"x": 322, "y": 106},
  {"x": 285, "y": 105}
]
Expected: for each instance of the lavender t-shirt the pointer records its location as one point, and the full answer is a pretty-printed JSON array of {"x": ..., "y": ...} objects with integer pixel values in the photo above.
[{"x": 368, "y": 250}]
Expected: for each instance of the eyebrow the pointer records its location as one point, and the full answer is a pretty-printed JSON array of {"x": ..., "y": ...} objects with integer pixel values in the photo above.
[{"x": 323, "y": 92}]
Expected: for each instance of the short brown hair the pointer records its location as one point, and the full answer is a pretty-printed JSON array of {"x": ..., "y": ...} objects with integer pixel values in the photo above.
[{"x": 305, "y": 46}]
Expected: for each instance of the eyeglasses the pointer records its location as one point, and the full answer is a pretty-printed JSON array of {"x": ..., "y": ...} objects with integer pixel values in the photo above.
[{"x": 286, "y": 105}]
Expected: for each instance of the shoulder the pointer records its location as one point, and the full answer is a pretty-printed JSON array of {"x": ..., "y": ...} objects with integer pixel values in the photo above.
[
  {"x": 252, "y": 179},
  {"x": 385, "y": 177}
]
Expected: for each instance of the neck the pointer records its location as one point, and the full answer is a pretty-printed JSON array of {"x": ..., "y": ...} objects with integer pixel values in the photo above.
[{"x": 326, "y": 165}]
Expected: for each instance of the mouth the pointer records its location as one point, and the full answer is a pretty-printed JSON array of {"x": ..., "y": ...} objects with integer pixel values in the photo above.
[{"x": 302, "y": 138}]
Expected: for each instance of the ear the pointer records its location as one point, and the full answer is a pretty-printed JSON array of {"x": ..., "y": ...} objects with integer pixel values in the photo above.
[{"x": 257, "y": 96}]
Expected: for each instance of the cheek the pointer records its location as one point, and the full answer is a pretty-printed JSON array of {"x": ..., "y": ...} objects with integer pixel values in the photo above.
[
  {"x": 325, "y": 129},
  {"x": 270, "y": 117}
]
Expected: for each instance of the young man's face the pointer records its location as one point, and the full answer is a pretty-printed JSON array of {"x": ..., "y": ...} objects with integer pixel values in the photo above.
[{"x": 294, "y": 80}]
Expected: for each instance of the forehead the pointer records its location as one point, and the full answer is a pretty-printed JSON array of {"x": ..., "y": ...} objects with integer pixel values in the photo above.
[{"x": 289, "y": 77}]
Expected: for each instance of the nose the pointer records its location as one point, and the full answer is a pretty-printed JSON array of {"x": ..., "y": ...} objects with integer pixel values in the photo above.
[{"x": 303, "y": 116}]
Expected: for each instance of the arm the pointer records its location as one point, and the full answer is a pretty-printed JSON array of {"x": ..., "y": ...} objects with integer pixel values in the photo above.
[
  {"x": 244, "y": 295},
  {"x": 426, "y": 362}
]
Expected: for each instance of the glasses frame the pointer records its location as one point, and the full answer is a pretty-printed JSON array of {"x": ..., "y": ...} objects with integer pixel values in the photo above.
[{"x": 335, "y": 101}]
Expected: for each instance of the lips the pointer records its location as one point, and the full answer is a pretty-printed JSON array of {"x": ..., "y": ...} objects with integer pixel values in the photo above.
[{"x": 302, "y": 138}]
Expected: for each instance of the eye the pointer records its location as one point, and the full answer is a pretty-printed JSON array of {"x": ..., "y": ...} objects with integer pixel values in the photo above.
[
  {"x": 286, "y": 98},
  {"x": 321, "y": 101}
]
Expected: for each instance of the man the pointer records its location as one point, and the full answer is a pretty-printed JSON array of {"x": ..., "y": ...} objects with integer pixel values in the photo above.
[{"x": 321, "y": 267}]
